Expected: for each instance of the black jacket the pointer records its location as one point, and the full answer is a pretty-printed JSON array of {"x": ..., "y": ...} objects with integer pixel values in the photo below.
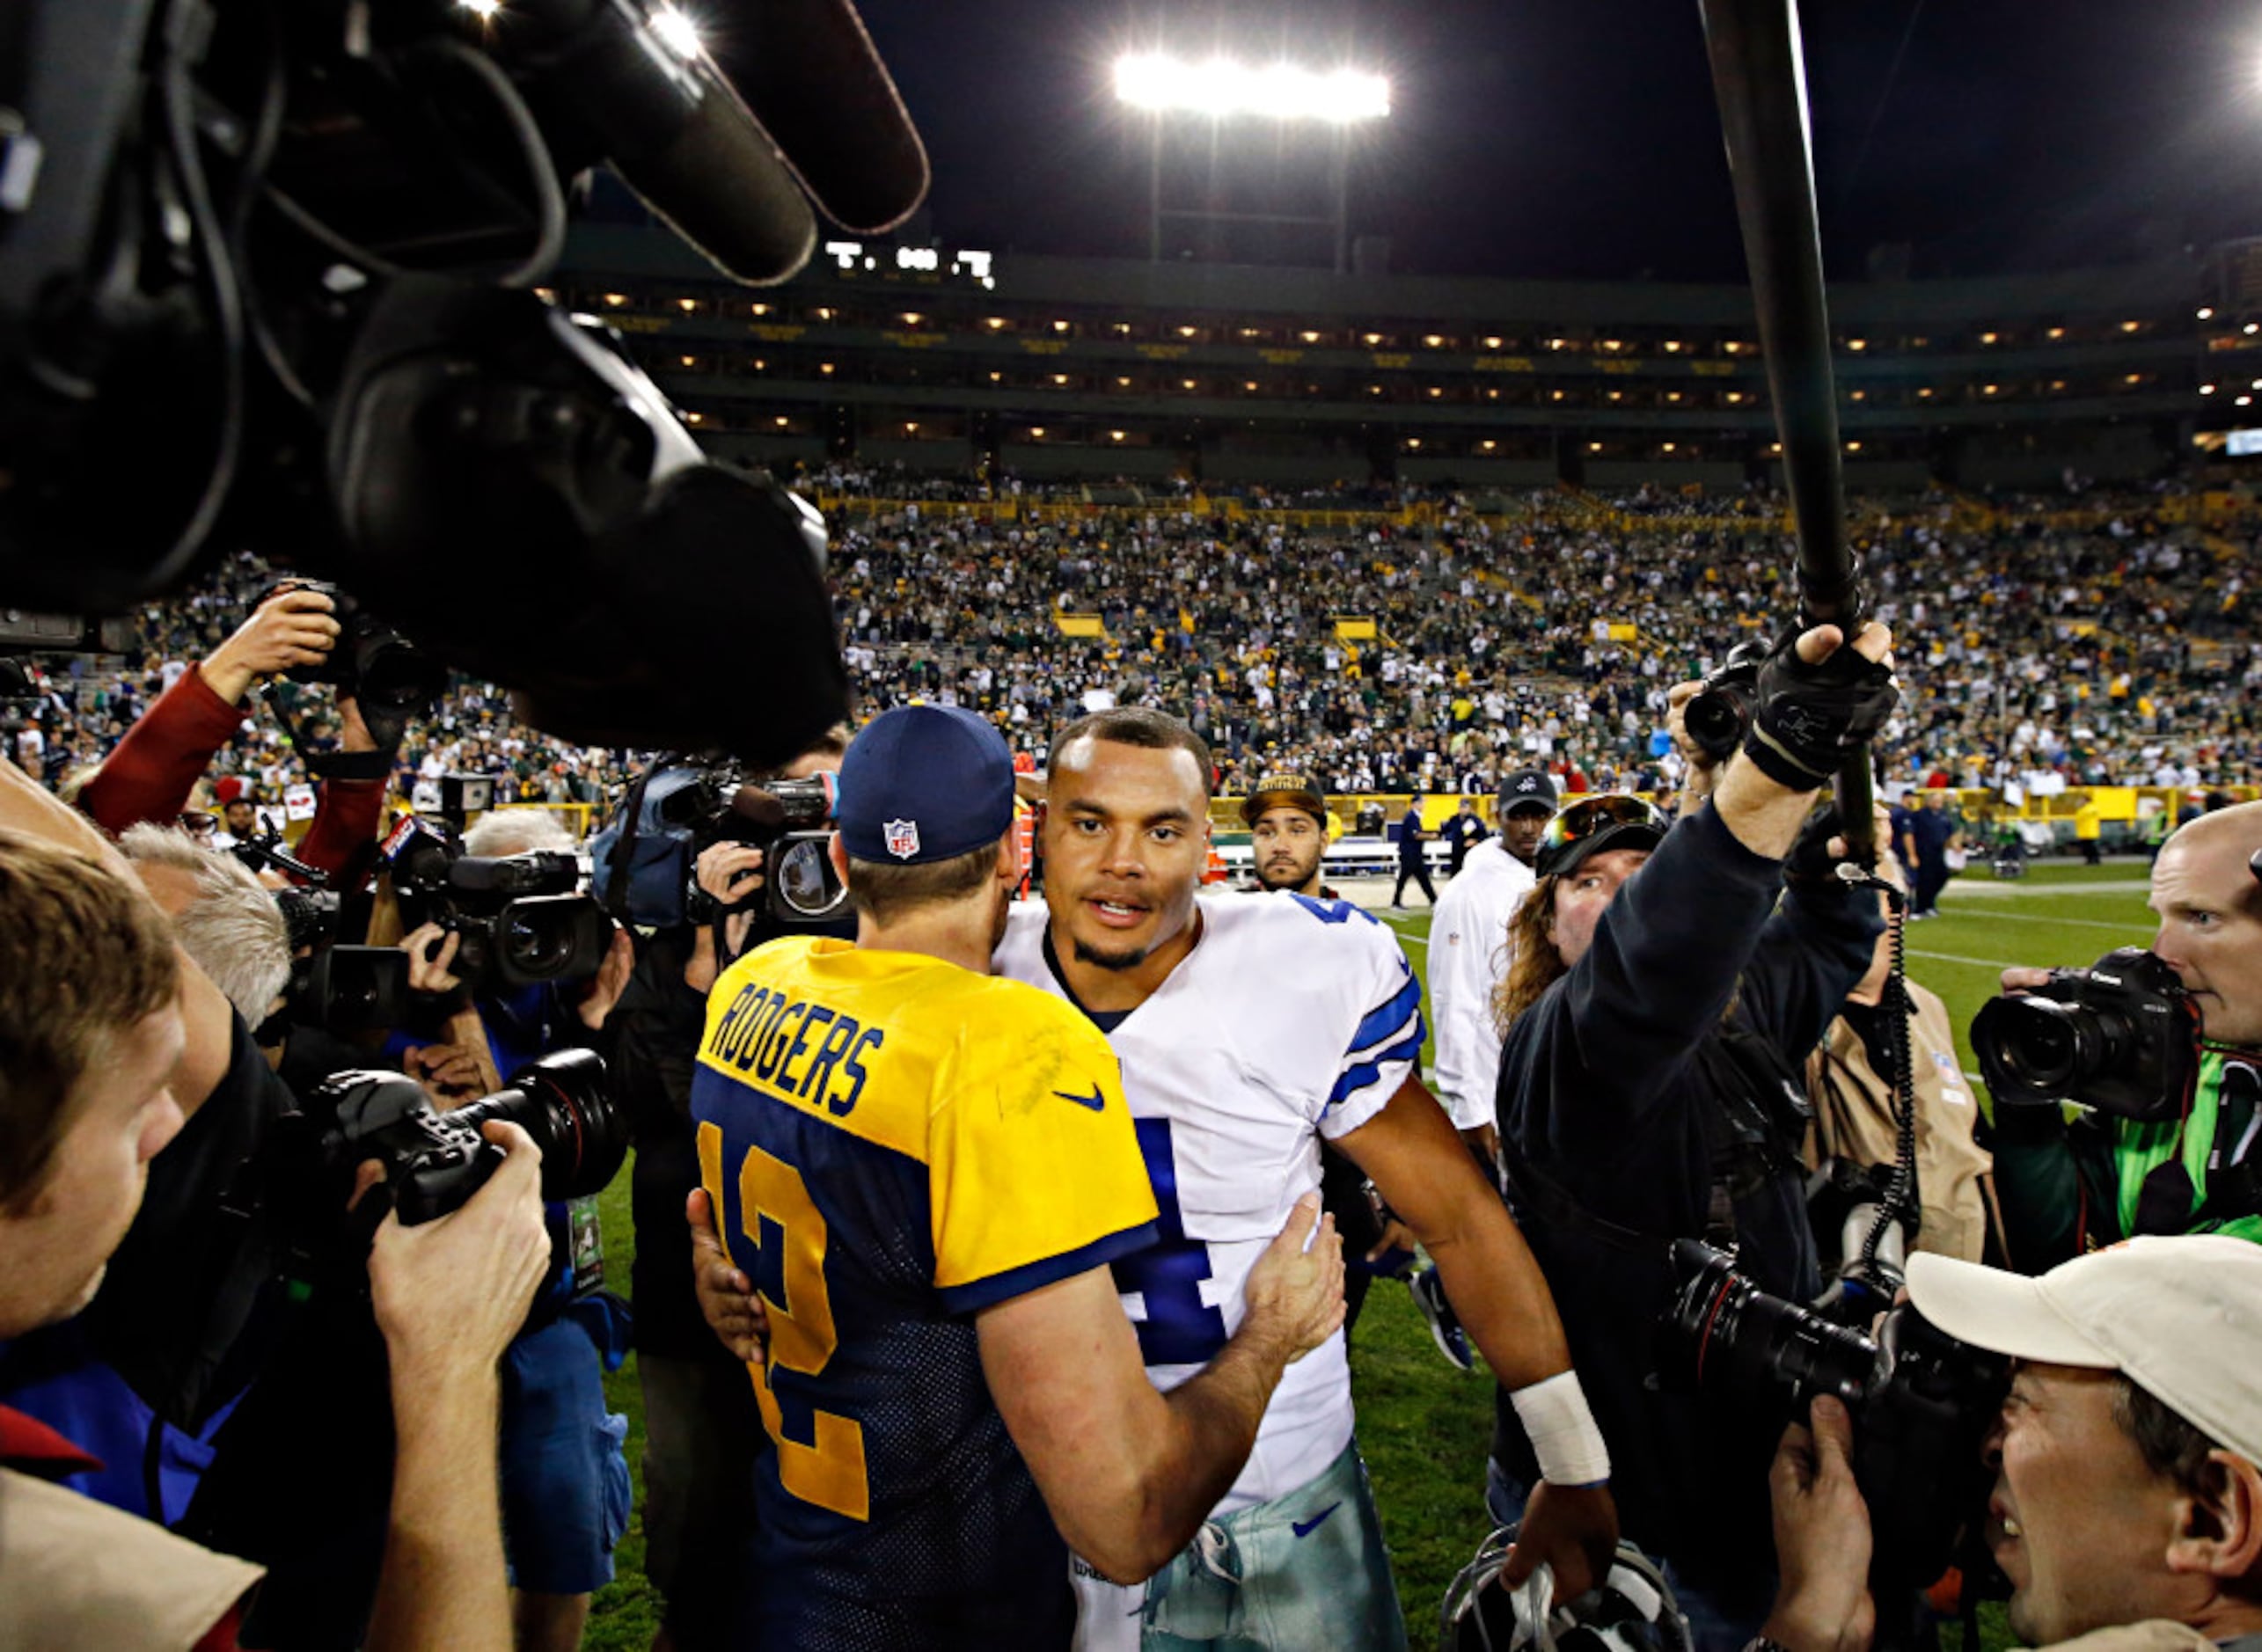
[{"x": 1612, "y": 1103}]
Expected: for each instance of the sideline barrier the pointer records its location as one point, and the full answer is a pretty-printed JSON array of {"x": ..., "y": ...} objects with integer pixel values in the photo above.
[{"x": 2123, "y": 805}]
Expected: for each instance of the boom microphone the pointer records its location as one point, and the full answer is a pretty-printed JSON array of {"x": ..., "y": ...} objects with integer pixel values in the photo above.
[
  {"x": 807, "y": 69},
  {"x": 721, "y": 186},
  {"x": 1760, "y": 80},
  {"x": 670, "y": 125}
]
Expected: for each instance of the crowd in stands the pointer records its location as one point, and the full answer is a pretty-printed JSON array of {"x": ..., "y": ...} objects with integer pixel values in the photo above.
[{"x": 2104, "y": 644}]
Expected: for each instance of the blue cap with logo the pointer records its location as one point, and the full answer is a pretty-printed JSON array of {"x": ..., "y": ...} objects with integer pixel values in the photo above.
[{"x": 924, "y": 783}]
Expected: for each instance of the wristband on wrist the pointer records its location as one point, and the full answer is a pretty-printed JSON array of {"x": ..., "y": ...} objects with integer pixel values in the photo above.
[{"x": 1556, "y": 1421}]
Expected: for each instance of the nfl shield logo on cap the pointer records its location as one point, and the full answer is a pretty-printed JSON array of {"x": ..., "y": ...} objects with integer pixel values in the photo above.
[{"x": 901, "y": 838}]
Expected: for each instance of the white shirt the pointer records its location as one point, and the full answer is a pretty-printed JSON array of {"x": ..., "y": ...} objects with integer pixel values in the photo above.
[
  {"x": 1291, "y": 1020},
  {"x": 1468, "y": 959}
]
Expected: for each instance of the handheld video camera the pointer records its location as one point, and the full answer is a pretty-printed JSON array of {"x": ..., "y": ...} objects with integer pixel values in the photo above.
[
  {"x": 1719, "y": 715},
  {"x": 789, "y": 820},
  {"x": 2121, "y": 1037},
  {"x": 434, "y": 1161},
  {"x": 1922, "y": 1403},
  {"x": 521, "y": 919}
]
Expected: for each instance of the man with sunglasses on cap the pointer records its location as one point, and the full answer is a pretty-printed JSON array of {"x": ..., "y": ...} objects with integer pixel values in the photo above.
[
  {"x": 1656, "y": 1011},
  {"x": 924, "y": 1172},
  {"x": 2127, "y": 1510}
]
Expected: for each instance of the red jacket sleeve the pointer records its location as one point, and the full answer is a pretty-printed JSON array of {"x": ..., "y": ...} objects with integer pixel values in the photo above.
[
  {"x": 156, "y": 766},
  {"x": 345, "y": 823}
]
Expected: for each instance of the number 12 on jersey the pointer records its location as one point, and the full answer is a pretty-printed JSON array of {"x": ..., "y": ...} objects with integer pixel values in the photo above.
[{"x": 820, "y": 1455}]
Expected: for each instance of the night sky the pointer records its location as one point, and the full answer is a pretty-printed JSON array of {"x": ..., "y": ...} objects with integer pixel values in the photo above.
[{"x": 1579, "y": 139}]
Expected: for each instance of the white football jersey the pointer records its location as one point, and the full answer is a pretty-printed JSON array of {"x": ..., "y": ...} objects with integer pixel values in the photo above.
[{"x": 1291, "y": 1019}]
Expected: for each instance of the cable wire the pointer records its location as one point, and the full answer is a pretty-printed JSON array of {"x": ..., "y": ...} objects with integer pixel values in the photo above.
[{"x": 549, "y": 196}]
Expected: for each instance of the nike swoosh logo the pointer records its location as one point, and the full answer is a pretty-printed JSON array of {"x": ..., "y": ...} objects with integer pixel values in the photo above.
[
  {"x": 1304, "y": 1528},
  {"x": 1097, "y": 1101}
]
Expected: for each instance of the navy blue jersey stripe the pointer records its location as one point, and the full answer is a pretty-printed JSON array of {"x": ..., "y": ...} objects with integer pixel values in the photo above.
[
  {"x": 1385, "y": 1021},
  {"x": 1366, "y": 1072}
]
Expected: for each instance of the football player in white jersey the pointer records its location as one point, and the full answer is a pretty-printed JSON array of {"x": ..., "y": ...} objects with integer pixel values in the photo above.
[{"x": 1248, "y": 1030}]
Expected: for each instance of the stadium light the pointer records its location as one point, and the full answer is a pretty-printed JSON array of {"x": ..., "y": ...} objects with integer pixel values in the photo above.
[
  {"x": 1219, "y": 87},
  {"x": 676, "y": 29}
]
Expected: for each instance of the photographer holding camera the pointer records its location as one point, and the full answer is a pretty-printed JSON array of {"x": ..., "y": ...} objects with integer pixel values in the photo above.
[
  {"x": 2173, "y": 1144},
  {"x": 566, "y": 1483},
  {"x": 150, "y": 776},
  {"x": 2126, "y": 1506},
  {"x": 1656, "y": 1016},
  {"x": 109, "y": 1039},
  {"x": 702, "y": 1431}
]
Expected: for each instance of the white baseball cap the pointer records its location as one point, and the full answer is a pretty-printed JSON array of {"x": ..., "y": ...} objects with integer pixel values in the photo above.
[{"x": 2181, "y": 1318}]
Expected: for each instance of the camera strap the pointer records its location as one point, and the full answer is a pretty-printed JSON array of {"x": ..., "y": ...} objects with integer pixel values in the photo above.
[
  {"x": 341, "y": 765},
  {"x": 624, "y": 847},
  {"x": 2169, "y": 1203}
]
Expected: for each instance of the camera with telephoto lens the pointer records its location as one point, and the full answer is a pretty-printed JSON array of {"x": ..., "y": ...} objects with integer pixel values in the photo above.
[
  {"x": 789, "y": 820},
  {"x": 1922, "y": 1403},
  {"x": 434, "y": 1161},
  {"x": 2121, "y": 1037},
  {"x": 520, "y": 919},
  {"x": 391, "y": 678},
  {"x": 1719, "y": 715}
]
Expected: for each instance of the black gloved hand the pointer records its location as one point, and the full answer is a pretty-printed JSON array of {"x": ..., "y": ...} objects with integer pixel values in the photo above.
[{"x": 1809, "y": 719}]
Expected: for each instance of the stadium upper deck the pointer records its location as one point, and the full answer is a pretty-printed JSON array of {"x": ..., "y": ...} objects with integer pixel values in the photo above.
[{"x": 942, "y": 360}]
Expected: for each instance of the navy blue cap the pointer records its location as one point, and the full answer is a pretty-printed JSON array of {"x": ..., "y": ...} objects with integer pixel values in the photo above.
[{"x": 924, "y": 783}]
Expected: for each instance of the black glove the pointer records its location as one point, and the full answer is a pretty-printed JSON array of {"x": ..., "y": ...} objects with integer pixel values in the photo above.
[{"x": 1809, "y": 719}]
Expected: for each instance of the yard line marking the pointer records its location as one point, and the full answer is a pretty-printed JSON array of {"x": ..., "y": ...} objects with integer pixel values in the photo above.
[
  {"x": 2028, "y": 918},
  {"x": 1951, "y": 957},
  {"x": 1989, "y": 889}
]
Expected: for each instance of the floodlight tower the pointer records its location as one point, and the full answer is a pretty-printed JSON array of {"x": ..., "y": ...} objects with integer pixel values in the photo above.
[{"x": 1222, "y": 91}]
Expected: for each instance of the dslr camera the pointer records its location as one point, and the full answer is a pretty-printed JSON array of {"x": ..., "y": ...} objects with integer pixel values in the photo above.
[
  {"x": 434, "y": 1161},
  {"x": 2121, "y": 1037},
  {"x": 1922, "y": 1402},
  {"x": 521, "y": 919},
  {"x": 1719, "y": 715},
  {"x": 391, "y": 680}
]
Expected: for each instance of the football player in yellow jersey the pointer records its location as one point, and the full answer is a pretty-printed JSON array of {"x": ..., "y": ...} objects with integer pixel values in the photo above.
[{"x": 923, "y": 1173}]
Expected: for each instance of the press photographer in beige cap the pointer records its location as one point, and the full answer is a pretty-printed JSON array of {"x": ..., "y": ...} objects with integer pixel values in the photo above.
[{"x": 2127, "y": 1502}]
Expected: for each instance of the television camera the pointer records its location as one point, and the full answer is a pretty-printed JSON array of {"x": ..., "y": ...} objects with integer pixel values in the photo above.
[{"x": 290, "y": 259}]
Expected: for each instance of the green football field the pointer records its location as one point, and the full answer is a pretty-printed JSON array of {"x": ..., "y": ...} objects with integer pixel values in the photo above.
[{"x": 1422, "y": 1425}]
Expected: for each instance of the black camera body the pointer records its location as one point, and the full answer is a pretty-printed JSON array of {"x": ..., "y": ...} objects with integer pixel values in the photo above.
[
  {"x": 1719, "y": 715},
  {"x": 1922, "y": 1402},
  {"x": 434, "y": 1161},
  {"x": 2121, "y": 1037},
  {"x": 789, "y": 820},
  {"x": 391, "y": 680},
  {"x": 519, "y": 919}
]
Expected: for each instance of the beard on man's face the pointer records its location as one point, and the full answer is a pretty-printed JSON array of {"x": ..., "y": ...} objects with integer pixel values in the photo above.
[{"x": 1117, "y": 961}]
